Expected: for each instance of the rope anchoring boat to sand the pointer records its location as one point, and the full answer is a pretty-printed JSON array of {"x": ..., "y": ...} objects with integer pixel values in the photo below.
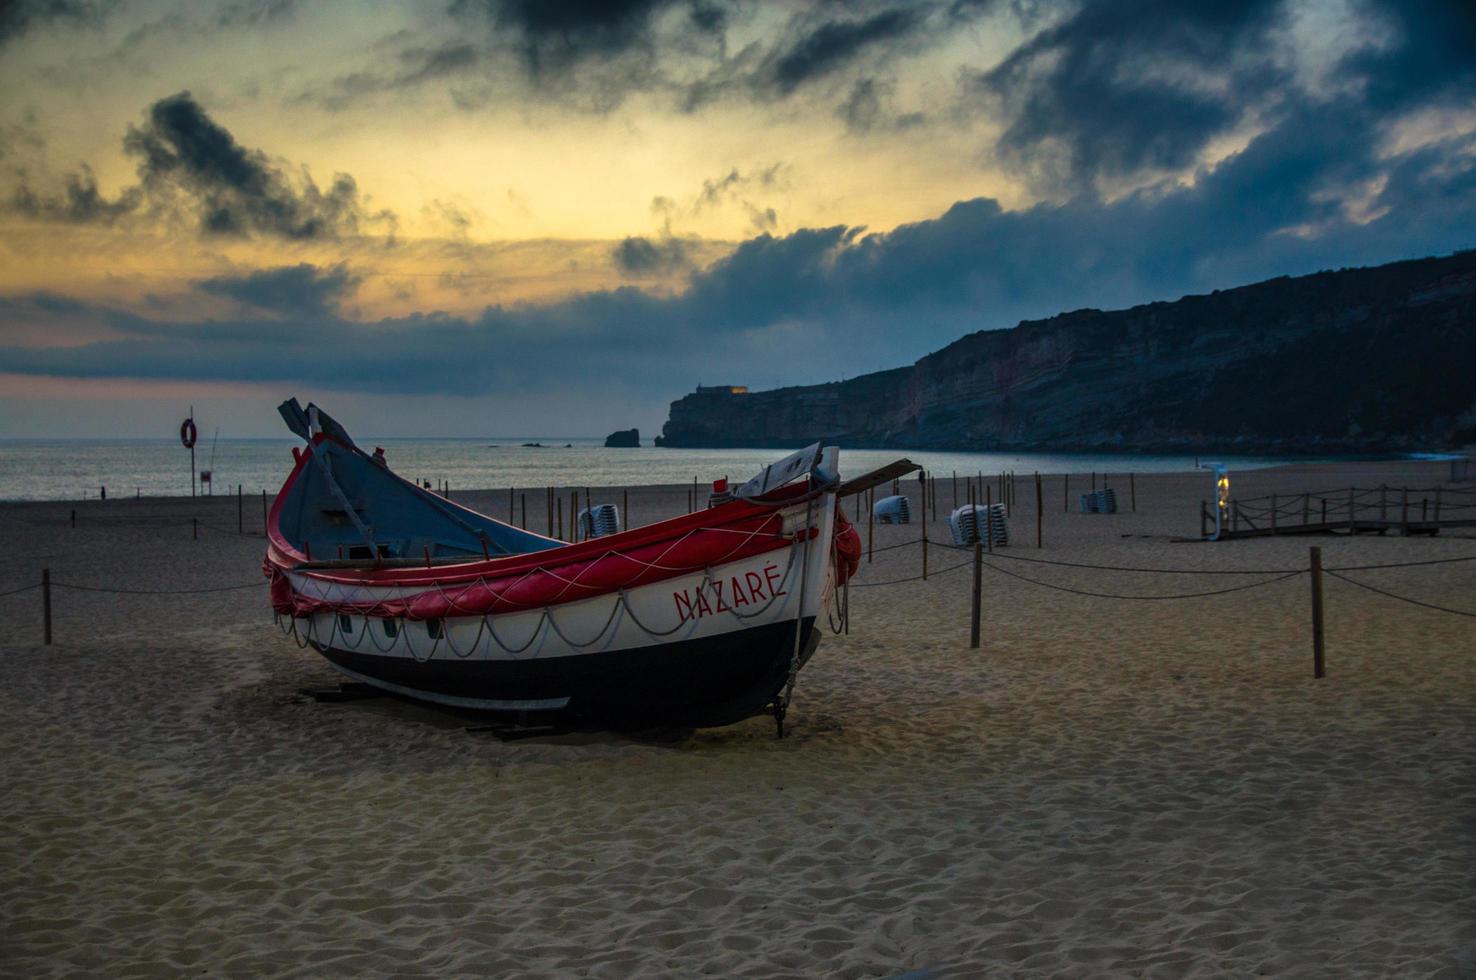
[{"x": 701, "y": 620}]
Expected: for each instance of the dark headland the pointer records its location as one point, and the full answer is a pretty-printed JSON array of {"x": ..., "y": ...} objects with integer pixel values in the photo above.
[{"x": 1353, "y": 361}]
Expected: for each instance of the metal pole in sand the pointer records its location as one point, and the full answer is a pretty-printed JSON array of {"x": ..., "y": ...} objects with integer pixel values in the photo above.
[
  {"x": 240, "y": 511},
  {"x": 978, "y": 589},
  {"x": 74, "y": 517},
  {"x": 46, "y": 606},
  {"x": 195, "y": 528},
  {"x": 263, "y": 513},
  {"x": 1319, "y": 665},
  {"x": 625, "y": 509}
]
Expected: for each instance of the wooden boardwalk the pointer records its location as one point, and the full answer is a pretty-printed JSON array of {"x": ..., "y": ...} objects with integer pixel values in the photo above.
[{"x": 1376, "y": 510}]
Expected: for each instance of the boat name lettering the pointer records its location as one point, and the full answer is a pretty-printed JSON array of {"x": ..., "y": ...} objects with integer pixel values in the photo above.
[{"x": 729, "y": 594}]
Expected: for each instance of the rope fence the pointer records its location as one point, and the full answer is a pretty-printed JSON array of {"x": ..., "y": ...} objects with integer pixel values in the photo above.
[{"x": 1273, "y": 509}]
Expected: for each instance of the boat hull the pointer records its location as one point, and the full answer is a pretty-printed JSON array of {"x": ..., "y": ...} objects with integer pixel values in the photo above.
[
  {"x": 707, "y": 648},
  {"x": 700, "y": 682}
]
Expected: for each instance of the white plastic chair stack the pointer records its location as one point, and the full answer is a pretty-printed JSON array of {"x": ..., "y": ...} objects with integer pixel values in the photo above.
[
  {"x": 599, "y": 521},
  {"x": 1099, "y": 502},
  {"x": 965, "y": 524},
  {"x": 893, "y": 510},
  {"x": 999, "y": 527}
]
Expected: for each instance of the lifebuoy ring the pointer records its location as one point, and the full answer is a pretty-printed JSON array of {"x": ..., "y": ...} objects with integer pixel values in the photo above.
[{"x": 187, "y": 433}]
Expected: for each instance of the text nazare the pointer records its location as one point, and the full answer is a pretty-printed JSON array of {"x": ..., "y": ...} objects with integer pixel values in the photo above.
[{"x": 730, "y": 593}]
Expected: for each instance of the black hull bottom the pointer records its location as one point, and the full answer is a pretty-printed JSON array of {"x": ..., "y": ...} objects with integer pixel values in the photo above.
[{"x": 698, "y": 683}]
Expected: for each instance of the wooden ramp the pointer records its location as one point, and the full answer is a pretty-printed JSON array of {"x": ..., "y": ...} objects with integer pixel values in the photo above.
[{"x": 1351, "y": 510}]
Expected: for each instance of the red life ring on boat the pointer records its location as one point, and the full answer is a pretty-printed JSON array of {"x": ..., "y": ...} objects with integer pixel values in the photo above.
[{"x": 187, "y": 433}]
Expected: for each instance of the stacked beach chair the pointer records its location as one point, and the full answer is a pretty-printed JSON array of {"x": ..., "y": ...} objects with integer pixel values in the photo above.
[
  {"x": 599, "y": 521},
  {"x": 893, "y": 510},
  {"x": 972, "y": 522},
  {"x": 1099, "y": 502}
]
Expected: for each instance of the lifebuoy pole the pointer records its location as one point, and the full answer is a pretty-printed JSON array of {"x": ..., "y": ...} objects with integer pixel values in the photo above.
[{"x": 187, "y": 434}]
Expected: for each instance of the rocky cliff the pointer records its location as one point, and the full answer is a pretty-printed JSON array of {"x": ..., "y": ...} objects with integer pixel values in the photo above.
[{"x": 1358, "y": 360}]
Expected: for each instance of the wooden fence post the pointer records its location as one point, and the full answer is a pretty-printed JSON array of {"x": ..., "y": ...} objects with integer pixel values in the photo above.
[
  {"x": 978, "y": 590},
  {"x": 240, "y": 512},
  {"x": 922, "y": 486},
  {"x": 1133, "y": 492},
  {"x": 548, "y": 508},
  {"x": 1039, "y": 510},
  {"x": 74, "y": 517},
  {"x": 1319, "y": 665},
  {"x": 46, "y": 606},
  {"x": 195, "y": 528},
  {"x": 989, "y": 517},
  {"x": 263, "y": 513},
  {"x": 511, "y": 514},
  {"x": 1273, "y": 512},
  {"x": 870, "y": 520},
  {"x": 955, "y": 490},
  {"x": 625, "y": 509}
]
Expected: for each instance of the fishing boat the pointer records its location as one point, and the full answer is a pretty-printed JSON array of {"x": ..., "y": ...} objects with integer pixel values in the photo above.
[{"x": 701, "y": 620}]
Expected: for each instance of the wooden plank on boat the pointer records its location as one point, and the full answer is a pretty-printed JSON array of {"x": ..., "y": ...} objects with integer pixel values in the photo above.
[{"x": 888, "y": 473}]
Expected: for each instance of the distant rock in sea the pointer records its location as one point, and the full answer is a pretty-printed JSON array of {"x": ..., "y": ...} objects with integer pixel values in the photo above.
[
  {"x": 624, "y": 439},
  {"x": 534, "y": 445}
]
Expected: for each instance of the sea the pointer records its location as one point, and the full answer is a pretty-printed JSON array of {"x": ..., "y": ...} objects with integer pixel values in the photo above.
[{"x": 77, "y": 469}]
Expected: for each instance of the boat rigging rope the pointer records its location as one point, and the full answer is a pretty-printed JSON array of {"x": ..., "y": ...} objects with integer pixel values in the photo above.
[{"x": 485, "y": 626}]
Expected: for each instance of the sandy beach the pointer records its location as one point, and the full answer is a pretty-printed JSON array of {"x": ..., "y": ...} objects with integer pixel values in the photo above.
[{"x": 1106, "y": 787}]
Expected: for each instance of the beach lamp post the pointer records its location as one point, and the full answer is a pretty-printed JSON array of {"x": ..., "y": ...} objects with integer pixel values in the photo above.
[{"x": 1222, "y": 494}]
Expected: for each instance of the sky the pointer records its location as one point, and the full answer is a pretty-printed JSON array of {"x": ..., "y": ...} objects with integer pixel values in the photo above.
[{"x": 512, "y": 217}]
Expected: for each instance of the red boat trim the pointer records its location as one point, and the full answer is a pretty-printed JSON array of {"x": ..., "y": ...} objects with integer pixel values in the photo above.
[{"x": 600, "y": 566}]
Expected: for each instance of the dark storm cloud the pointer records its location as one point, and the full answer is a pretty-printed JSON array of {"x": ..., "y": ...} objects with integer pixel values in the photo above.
[
  {"x": 638, "y": 256},
  {"x": 190, "y": 165},
  {"x": 411, "y": 67},
  {"x": 294, "y": 290},
  {"x": 251, "y": 13},
  {"x": 848, "y": 301},
  {"x": 829, "y": 301},
  {"x": 554, "y": 34},
  {"x": 1434, "y": 54},
  {"x": 185, "y": 154},
  {"x": 1125, "y": 85},
  {"x": 19, "y": 16},
  {"x": 79, "y": 201},
  {"x": 835, "y": 44}
]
